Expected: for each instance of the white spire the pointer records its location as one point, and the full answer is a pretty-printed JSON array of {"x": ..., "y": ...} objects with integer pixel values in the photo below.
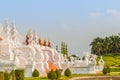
[
  {"x": 14, "y": 30},
  {"x": 30, "y": 36},
  {"x": 14, "y": 34},
  {"x": 35, "y": 37},
  {"x": 1, "y": 28},
  {"x": 6, "y": 28}
]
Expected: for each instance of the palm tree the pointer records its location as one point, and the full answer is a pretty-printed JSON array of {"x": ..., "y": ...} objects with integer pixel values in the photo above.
[
  {"x": 96, "y": 46},
  {"x": 106, "y": 45},
  {"x": 115, "y": 43}
]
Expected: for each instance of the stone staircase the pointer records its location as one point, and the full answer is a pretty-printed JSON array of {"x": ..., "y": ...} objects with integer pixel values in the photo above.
[{"x": 51, "y": 66}]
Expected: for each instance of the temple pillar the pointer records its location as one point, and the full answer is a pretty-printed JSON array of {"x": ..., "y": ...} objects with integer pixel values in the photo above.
[{"x": 28, "y": 71}]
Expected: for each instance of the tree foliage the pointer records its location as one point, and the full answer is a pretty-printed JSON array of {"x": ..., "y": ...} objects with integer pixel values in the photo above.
[
  {"x": 64, "y": 49},
  {"x": 107, "y": 45}
]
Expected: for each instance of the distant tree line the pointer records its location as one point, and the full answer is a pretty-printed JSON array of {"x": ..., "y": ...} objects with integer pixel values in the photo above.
[
  {"x": 64, "y": 49},
  {"x": 107, "y": 45}
]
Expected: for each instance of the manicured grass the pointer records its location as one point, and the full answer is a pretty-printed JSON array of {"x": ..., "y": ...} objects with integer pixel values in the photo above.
[
  {"x": 111, "y": 60},
  {"x": 44, "y": 78},
  {"x": 37, "y": 78},
  {"x": 114, "y": 69}
]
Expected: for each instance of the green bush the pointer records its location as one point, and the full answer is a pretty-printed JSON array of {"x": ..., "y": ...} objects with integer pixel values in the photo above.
[
  {"x": 67, "y": 72},
  {"x": 1, "y": 75},
  {"x": 51, "y": 75},
  {"x": 12, "y": 73},
  {"x": 58, "y": 74},
  {"x": 104, "y": 71},
  {"x": 108, "y": 69},
  {"x": 35, "y": 73},
  {"x": 19, "y": 74},
  {"x": 6, "y": 76}
]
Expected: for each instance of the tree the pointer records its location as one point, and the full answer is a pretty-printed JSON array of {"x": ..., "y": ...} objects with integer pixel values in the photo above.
[
  {"x": 51, "y": 75},
  {"x": 75, "y": 56},
  {"x": 104, "y": 71},
  {"x": 97, "y": 45},
  {"x": 83, "y": 58},
  {"x": 107, "y": 45},
  {"x": 35, "y": 73},
  {"x": 115, "y": 43},
  {"x": 67, "y": 72},
  {"x": 57, "y": 48},
  {"x": 58, "y": 74},
  {"x": 64, "y": 49}
]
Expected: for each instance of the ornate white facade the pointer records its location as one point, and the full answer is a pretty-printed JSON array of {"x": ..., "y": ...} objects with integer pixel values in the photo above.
[{"x": 35, "y": 54}]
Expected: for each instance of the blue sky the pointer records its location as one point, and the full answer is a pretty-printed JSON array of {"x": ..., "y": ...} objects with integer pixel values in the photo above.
[{"x": 76, "y": 22}]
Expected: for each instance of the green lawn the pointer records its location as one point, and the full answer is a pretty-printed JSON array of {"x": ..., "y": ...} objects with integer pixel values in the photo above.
[
  {"x": 36, "y": 78},
  {"x": 111, "y": 60},
  {"x": 44, "y": 78}
]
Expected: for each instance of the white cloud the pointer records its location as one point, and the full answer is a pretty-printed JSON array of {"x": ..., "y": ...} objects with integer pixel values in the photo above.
[
  {"x": 96, "y": 14},
  {"x": 113, "y": 12}
]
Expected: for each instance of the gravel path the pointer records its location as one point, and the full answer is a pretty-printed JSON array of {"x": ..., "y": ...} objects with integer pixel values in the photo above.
[{"x": 96, "y": 78}]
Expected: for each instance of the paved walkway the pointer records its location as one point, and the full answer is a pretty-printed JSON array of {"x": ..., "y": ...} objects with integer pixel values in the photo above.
[{"x": 91, "y": 77}]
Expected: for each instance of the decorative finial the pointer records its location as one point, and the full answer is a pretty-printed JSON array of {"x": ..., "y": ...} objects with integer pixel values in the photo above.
[
  {"x": 49, "y": 43},
  {"x": 29, "y": 37},
  {"x": 40, "y": 41},
  {"x": 44, "y": 44}
]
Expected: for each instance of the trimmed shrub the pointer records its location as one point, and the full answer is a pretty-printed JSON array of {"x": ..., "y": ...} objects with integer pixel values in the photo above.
[
  {"x": 1, "y": 75},
  {"x": 51, "y": 75},
  {"x": 104, "y": 71},
  {"x": 6, "y": 76},
  {"x": 108, "y": 69},
  {"x": 58, "y": 74},
  {"x": 12, "y": 73},
  {"x": 67, "y": 72},
  {"x": 19, "y": 74},
  {"x": 35, "y": 73}
]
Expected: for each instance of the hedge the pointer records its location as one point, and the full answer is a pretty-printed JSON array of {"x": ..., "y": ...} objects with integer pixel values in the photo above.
[
  {"x": 1, "y": 75},
  {"x": 19, "y": 74}
]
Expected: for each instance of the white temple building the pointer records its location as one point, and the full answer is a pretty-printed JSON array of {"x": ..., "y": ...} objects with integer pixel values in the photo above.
[{"x": 35, "y": 53}]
